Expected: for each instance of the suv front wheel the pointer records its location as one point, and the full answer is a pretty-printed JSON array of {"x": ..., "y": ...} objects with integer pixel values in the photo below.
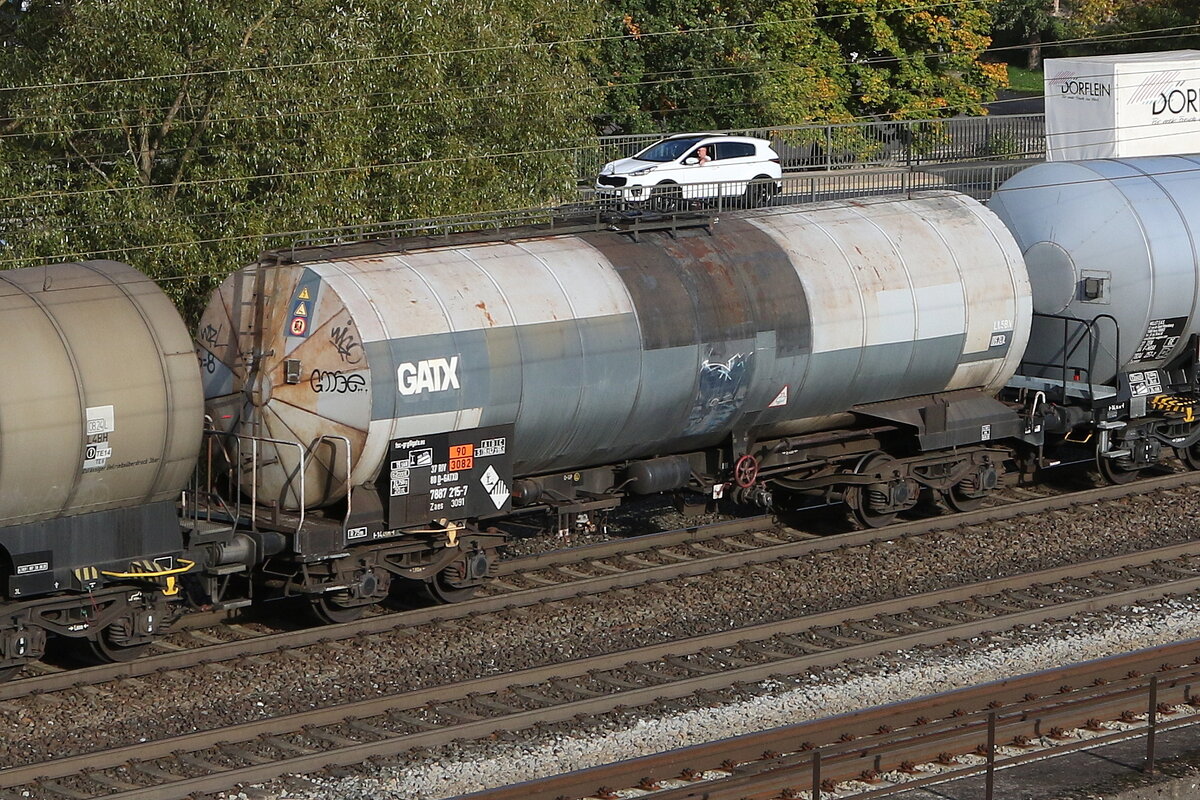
[
  {"x": 759, "y": 192},
  {"x": 666, "y": 199}
]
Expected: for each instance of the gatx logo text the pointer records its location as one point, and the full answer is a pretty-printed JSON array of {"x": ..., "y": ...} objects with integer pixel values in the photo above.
[{"x": 430, "y": 375}]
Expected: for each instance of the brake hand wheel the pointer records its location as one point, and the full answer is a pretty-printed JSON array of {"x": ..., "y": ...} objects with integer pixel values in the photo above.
[{"x": 745, "y": 471}]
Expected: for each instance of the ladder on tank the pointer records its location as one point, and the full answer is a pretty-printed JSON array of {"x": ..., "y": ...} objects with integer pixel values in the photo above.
[{"x": 247, "y": 320}]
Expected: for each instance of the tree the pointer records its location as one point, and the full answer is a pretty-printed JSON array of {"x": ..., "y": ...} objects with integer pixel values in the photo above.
[
  {"x": 1028, "y": 23},
  {"x": 694, "y": 64},
  {"x": 1134, "y": 26},
  {"x": 183, "y": 135}
]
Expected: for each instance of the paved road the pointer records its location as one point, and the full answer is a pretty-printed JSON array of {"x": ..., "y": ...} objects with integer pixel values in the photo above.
[{"x": 1009, "y": 102}]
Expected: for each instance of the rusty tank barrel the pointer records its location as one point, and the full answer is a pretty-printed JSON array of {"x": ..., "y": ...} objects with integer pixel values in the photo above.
[{"x": 569, "y": 351}]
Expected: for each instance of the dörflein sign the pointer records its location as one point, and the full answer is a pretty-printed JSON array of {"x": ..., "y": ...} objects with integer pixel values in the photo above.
[{"x": 1128, "y": 105}]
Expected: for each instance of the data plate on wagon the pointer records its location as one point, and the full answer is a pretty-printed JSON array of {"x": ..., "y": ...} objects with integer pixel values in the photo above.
[{"x": 449, "y": 476}]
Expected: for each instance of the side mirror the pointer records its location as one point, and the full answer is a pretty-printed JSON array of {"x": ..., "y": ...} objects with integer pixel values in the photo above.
[{"x": 691, "y": 160}]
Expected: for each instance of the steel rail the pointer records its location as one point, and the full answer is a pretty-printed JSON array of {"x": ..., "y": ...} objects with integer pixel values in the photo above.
[
  {"x": 221, "y": 778},
  {"x": 884, "y": 737},
  {"x": 631, "y": 578}
]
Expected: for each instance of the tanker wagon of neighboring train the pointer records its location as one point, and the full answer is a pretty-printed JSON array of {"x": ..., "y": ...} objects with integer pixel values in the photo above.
[
  {"x": 100, "y": 418},
  {"x": 385, "y": 399},
  {"x": 1113, "y": 252}
]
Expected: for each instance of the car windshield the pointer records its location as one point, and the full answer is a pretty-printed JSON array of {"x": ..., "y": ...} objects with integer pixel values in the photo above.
[{"x": 668, "y": 149}]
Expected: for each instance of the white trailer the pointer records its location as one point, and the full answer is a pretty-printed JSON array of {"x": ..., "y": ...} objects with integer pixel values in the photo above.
[{"x": 1127, "y": 105}]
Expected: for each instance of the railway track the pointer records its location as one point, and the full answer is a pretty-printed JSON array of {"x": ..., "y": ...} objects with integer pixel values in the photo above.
[
  {"x": 650, "y": 676},
  {"x": 926, "y": 741},
  {"x": 575, "y": 572}
]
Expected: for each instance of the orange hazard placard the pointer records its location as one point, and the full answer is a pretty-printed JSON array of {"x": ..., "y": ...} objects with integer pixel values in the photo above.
[{"x": 462, "y": 457}]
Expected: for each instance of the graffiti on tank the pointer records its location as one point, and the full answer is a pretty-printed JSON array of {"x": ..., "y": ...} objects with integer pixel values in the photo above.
[
  {"x": 210, "y": 335},
  {"x": 335, "y": 382},
  {"x": 721, "y": 389},
  {"x": 346, "y": 344}
]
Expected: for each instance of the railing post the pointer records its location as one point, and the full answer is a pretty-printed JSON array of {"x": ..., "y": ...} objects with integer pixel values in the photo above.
[
  {"x": 828, "y": 147},
  {"x": 1152, "y": 724},
  {"x": 989, "y": 781},
  {"x": 816, "y": 784}
]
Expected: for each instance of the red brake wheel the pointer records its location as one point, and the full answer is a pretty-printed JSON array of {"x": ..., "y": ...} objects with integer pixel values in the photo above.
[{"x": 745, "y": 471}]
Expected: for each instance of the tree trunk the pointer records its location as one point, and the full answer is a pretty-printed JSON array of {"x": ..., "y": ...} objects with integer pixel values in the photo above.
[{"x": 1034, "y": 57}]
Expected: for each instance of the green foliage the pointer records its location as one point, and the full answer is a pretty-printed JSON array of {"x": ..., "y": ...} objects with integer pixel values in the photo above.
[
  {"x": 274, "y": 116},
  {"x": 395, "y": 110},
  {"x": 1025, "y": 20},
  {"x": 1024, "y": 80},
  {"x": 789, "y": 62},
  {"x": 1120, "y": 25}
]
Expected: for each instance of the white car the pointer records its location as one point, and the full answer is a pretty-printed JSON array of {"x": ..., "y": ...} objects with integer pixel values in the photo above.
[{"x": 694, "y": 166}]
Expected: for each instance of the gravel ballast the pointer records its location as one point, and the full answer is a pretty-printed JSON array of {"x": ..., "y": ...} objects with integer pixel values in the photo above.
[
  {"x": 469, "y": 767},
  {"x": 35, "y": 729}
]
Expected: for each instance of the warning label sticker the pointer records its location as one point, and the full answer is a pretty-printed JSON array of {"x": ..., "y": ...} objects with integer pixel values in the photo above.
[
  {"x": 495, "y": 487},
  {"x": 303, "y": 304}
]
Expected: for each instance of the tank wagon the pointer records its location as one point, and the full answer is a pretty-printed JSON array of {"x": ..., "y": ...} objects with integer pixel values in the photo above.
[
  {"x": 365, "y": 412},
  {"x": 398, "y": 395},
  {"x": 100, "y": 416},
  {"x": 1112, "y": 252}
]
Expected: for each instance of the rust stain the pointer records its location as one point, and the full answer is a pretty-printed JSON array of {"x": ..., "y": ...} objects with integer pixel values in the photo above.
[{"x": 482, "y": 306}]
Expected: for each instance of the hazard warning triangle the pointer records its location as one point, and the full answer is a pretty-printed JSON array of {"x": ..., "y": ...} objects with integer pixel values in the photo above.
[{"x": 780, "y": 399}]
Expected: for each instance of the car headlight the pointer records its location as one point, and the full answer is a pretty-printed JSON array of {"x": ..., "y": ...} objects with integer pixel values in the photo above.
[{"x": 643, "y": 171}]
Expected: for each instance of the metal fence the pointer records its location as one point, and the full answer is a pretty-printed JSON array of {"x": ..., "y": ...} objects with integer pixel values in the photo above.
[
  {"x": 904, "y": 143},
  {"x": 978, "y": 179},
  {"x": 691, "y": 205}
]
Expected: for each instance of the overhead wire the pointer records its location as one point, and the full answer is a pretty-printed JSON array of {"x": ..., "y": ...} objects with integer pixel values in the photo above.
[
  {"x": 359, "y": 108},
  {"x": 409, "y": 163},
  {"x": 444, "y": 94},
  {"x": 285, "y": 234},
  {"x": 483, "y": 48}
]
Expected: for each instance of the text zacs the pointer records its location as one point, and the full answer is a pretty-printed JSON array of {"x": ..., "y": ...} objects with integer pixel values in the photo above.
[{"x": 431, "y": 375}]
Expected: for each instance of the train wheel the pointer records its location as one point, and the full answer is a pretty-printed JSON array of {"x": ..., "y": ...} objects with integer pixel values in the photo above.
[
  {"x": 1190, "y": 456},
  {"x": 957, "y": 499},
  {"x": 863, "y": 500},
  {"x": 1112, "y": 472},
  {"x": 450, "y": 585},
  {"x": 106, "y": 650},
  {"x": 330, "y": 609}
]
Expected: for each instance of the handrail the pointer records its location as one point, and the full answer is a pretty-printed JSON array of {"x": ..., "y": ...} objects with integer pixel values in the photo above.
[
  {"x": 191, "y": 508},
  {"x": 254, "y": 476},
  {"x": 233, "y": 451},
  {"x": 234, "y": 443},
  {"x": 349, "y": 465},
  {"x": 863, "y": 143},
  {"x": 1087, "y": 330}
]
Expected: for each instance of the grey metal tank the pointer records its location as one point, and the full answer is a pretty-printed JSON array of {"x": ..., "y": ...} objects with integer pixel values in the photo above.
[
  {"x": 101, "y": 406},
  {"x": 598, "y": 347},
  {"x": 1112, "y": 238}
]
